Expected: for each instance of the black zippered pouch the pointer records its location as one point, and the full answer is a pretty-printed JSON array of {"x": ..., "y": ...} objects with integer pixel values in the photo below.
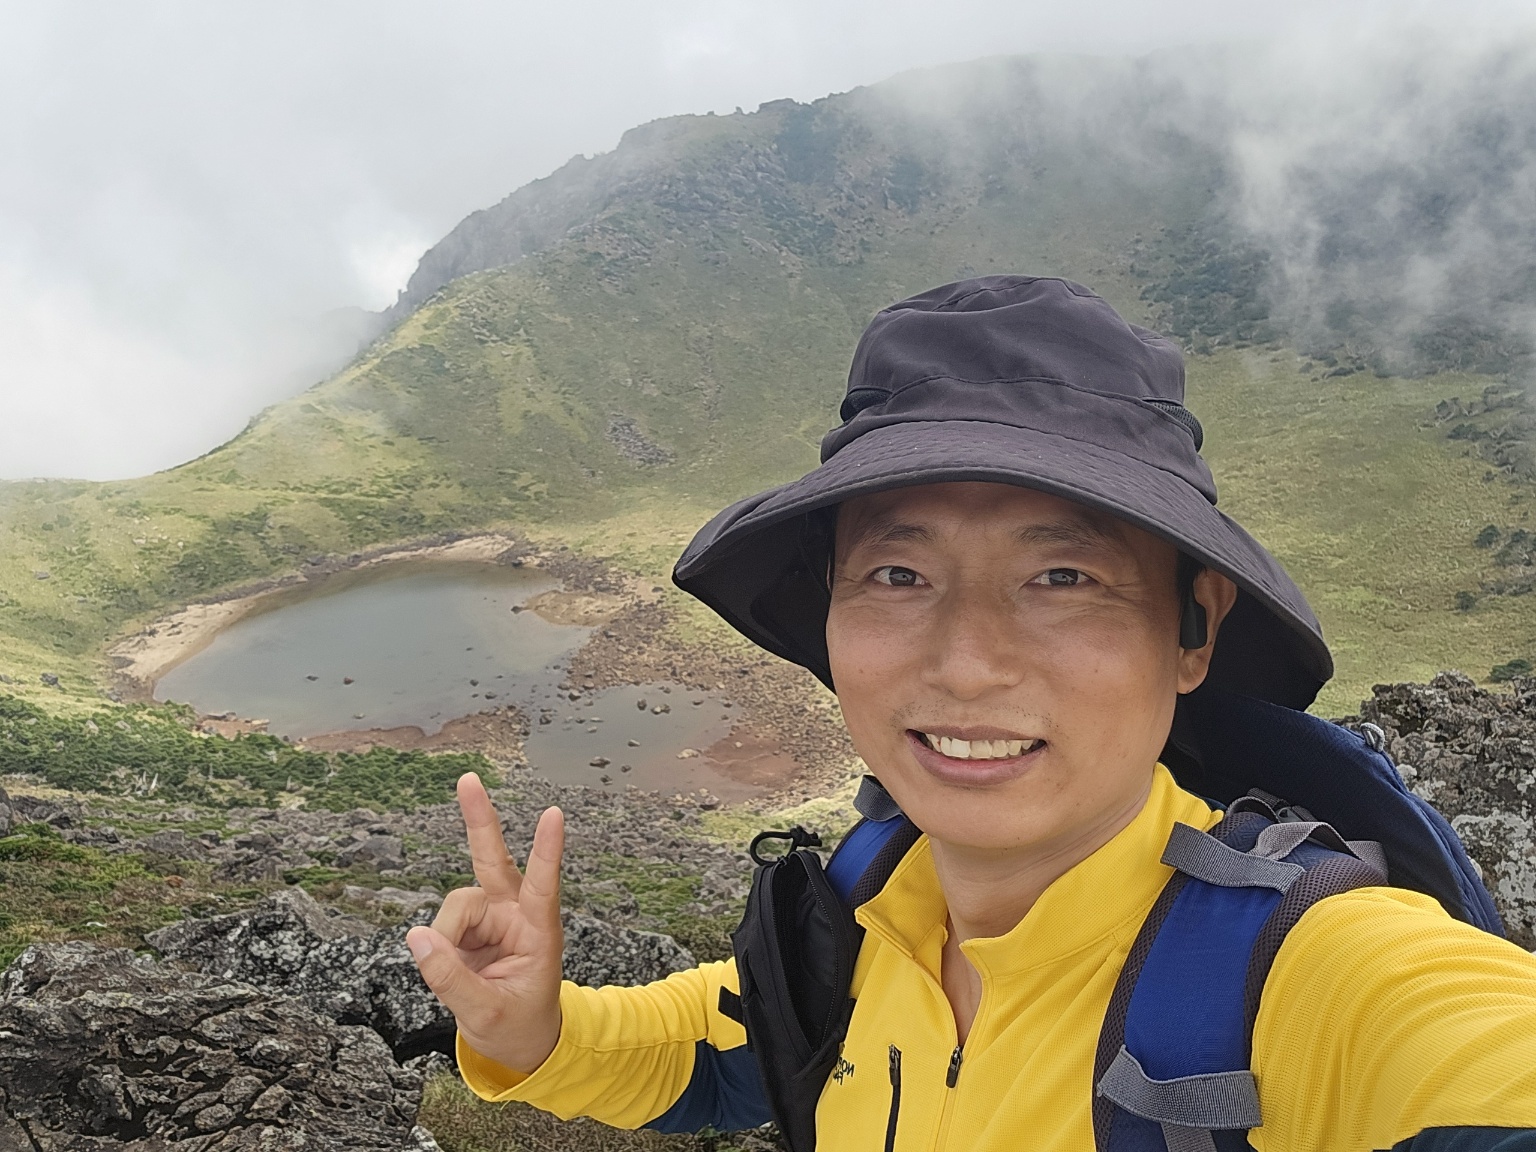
[{"x": 795, "y": 951}]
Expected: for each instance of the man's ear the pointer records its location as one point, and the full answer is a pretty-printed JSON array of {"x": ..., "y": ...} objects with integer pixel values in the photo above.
[{"x": 1216, "y": 594}]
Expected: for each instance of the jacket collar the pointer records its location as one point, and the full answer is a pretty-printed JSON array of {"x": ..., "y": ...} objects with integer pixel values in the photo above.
[{"x": 1106, "y": 895}]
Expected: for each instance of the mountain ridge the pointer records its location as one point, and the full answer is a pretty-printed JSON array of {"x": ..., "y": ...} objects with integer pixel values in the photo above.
[{"x": 673, "y": 329}]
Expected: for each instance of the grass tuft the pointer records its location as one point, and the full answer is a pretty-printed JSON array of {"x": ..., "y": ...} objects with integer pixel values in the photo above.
[{"x": 461, "y": 1122}]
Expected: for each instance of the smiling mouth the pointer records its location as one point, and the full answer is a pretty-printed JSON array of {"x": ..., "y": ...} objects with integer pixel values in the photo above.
[{"x": 978, "y": 749}]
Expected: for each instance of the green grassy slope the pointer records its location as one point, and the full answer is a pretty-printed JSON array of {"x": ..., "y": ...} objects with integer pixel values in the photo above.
[
  {"x": 687, "y": 344},
  {"x": 1371, "y": 511}
]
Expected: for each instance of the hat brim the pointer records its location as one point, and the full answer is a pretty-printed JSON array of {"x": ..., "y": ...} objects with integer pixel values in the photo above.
[{"x": 748, "y": 563}]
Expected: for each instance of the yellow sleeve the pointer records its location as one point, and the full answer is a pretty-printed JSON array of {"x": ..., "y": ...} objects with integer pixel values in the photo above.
[
  {"x": 1382, "y": 1017},
  {"x": 624, "y": 1055}
]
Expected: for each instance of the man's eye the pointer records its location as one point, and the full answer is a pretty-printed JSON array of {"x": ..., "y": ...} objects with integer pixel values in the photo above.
[
  {"x": 897, "y": 577},
  {"x": 1061, "y": 578}
]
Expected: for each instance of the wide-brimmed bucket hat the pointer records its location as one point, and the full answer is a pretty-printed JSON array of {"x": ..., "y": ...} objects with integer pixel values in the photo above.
[{"x": 1025, "y": 380}]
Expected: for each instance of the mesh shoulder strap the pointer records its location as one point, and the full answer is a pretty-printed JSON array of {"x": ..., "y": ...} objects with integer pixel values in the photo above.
[
  {"x": 870, "y": 852},
  {"x": 1171, "y": 1072}
]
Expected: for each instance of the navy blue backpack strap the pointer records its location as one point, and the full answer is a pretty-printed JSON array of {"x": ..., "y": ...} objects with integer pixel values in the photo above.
[
  {"x": 1171, "y": 1072},
  {"x": 1225, "y": 744}
]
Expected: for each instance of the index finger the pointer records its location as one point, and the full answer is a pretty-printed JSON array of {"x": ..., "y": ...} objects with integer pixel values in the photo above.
[{"x": 493, "y": 865}]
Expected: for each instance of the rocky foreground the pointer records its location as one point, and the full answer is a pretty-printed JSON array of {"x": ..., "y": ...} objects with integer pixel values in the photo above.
[
  {"x": 285, "y": 1026},
  {"x": 298, "y": 1023}
]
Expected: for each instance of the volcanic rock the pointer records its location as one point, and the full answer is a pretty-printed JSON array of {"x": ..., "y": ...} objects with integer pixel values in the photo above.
[
  {"x": 597, "y": 953},
  {"x": 1472, "y": 754},
  {"x": 105, "y": 1049},
  {"x": 174, "y": 844}
]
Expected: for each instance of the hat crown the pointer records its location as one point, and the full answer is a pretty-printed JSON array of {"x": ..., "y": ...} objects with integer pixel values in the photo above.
[
  {"x": 1031, "y": 352},
  {"x": 1002, "y": 329}
]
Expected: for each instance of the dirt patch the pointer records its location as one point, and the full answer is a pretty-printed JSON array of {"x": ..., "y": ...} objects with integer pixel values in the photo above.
[
  {"x": 586, "y": 609},
  {"x": 498, "y": 733},
  {"x": 752, "y": 757}
]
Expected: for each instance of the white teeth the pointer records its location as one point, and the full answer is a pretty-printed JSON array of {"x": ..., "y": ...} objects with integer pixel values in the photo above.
[{"x": 979, "y": 749}]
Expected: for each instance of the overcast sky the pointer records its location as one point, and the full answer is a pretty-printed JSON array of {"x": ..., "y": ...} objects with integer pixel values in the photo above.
[{"x": 186, "y": 188}]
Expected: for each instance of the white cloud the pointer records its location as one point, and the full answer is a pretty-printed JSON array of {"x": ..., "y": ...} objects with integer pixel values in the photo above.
[{"x": 183, "y": 183}]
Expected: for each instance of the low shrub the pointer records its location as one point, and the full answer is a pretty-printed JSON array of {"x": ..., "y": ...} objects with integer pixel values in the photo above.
[
  {"x": 154, "y": 750},
  {"x": 1502, "y": 673}
]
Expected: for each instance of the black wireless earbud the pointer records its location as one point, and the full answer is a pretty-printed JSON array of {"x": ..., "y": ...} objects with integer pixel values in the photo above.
[{"x": 1192, "y": 630}]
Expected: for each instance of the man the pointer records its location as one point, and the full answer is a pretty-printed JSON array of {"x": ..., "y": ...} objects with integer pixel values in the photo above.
[{"x": 1001, "y": 569}]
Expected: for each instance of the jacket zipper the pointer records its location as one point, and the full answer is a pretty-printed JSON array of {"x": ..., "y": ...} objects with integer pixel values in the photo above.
[
  {"x": 890, "y": 1125},
  {"x": 951, "y": 1078}
]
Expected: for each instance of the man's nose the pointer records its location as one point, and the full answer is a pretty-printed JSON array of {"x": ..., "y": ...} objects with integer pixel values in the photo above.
[{"x": 974, "y": 646}]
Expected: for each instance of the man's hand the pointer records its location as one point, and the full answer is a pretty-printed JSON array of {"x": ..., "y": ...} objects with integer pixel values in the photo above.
[{"x": 493, "y": 954}]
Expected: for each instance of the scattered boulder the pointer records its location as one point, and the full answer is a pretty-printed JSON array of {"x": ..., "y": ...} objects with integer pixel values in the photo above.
[
  {"x": 173, "y": 844},
  {"x": 7, "y": 814},
  {"x": 634, "y": 445},
  {"x": 409, "y": 901},
  {"x": 35, "y": 810},
  {"x": 597, "y": 953},
  {"x": 106, "y": 1049},
  {"x": 379, "y": 851}
]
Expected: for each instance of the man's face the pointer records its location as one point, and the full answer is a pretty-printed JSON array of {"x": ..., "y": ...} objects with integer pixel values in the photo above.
[{"x": 1007, "y": 661}]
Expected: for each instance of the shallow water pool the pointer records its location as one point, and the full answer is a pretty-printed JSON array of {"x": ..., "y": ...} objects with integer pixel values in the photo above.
[
  {"x": 407, "y": 644},
  {"x": 657, "y": 736}
]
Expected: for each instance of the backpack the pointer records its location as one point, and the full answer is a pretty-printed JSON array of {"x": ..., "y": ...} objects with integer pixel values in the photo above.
[{"x": 1172, "y": 1066}]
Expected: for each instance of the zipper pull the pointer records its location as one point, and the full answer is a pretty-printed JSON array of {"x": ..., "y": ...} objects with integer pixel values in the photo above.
[
  {"x": 954, "y": 1066},
  {"x": 890, "y": 1124}
]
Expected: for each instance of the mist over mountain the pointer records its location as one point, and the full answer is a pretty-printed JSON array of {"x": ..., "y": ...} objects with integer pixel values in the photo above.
[{"x": 1374, "y": 204}]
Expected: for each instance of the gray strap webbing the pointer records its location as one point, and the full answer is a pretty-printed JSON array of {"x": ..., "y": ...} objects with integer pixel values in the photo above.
[
  {"x": 1201, "y": 855},
  {"x": 1182, "y": 1139},
  {"x": 1279, "y": 840},
  {"x": 1211, "y": 1100},
  {"x": 873, "y": 802},
  {"x": 1372, "y": 853}
]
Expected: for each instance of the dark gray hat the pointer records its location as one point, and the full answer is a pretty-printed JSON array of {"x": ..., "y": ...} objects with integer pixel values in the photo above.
[{"x": 1020, "y": 380}]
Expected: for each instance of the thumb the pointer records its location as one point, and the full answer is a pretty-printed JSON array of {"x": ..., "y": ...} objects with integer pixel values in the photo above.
[{"x": 463, "y": 992}]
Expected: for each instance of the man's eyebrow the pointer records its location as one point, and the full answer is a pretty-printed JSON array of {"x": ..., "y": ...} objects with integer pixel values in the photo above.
[
  {"x": 1071, "y": 534},
  {"x": 883, "y": 530}
]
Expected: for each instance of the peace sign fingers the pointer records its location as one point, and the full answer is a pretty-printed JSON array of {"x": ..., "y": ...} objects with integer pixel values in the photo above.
[{"x": 493, "y": 865}]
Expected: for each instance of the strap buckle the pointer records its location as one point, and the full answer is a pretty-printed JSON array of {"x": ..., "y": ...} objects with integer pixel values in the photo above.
[{"x": 797, "y": 836}]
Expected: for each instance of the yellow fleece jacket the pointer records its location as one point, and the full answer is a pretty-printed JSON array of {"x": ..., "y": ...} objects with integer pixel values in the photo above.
[{"x": 1382, "y": 1017}]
